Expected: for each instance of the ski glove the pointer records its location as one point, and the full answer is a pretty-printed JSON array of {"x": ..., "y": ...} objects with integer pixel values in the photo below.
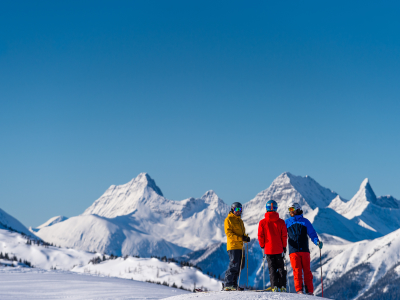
[
  {"x": 320, "y": 244},
  {"x": 246, "y": 239},
  {"x": 284, "y": 250}
]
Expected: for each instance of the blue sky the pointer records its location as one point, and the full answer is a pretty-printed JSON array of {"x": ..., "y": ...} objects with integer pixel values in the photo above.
[{"x": 221, "y": 95}]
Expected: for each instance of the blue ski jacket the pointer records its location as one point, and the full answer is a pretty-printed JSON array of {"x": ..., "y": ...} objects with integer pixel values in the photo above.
[{"x": 299, "y": 229}]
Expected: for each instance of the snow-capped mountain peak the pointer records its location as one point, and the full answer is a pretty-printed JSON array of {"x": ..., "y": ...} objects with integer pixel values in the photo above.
[
  {"x": 146, "y": 179},
  {"x": 285, "y": 189},
  {"x": 360, "y": 201},
  {"x": 366, "y": 188},
  {"x": 124, "y": 199}
]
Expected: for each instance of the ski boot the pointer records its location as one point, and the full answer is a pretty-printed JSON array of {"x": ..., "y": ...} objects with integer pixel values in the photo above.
[
  {"x": 283, "y": 289},
  {"x": 300, "y": 292},
  {"x": 230, "y": 288},
  {"x": 275, "y": 289}
]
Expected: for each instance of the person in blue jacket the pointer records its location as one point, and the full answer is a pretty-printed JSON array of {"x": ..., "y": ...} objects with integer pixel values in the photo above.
[{"x": 299, "y": 229}]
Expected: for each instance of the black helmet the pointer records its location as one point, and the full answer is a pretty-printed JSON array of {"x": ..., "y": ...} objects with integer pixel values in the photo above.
[{"x": 236, "y": 205}]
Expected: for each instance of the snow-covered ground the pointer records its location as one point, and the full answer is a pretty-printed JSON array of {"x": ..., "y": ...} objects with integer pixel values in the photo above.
[
  {"x": 141, "y": 269},
  {"x": 152, "y": 269},
  {"x": 242, "y": 296},
  {"x": 40, "y": 256},
  {"x": 23, "y": 283}
]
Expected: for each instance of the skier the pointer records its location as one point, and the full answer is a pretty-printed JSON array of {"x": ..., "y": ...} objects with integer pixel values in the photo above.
[
  {"x": 272, "y": 237},
  {"x": 298, "y": 228},
  {"x": 236, "y": 235}
]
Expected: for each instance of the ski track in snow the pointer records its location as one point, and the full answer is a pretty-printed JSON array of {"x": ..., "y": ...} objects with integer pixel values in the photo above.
[{"x": 17, "y": 283}]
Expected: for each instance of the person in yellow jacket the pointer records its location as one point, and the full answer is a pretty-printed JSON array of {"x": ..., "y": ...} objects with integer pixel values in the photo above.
[{"x": 236, "y": 236}]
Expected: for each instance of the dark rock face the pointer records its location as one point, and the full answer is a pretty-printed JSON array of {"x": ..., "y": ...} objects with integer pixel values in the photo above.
[
  {"x": 387, "y": 288},
  {"x": 350, "y": 284}
]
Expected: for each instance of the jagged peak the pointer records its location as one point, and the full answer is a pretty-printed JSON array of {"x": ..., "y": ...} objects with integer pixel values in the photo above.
[
  {"x": 209, "y": 193},
  {"x": 365, "y": 183},
  {"x": 210, "y": 196},
  {"x": 146, "y": 179},
  {"x": 367, "y": 191},
  {"x": 291, "y": 177}
]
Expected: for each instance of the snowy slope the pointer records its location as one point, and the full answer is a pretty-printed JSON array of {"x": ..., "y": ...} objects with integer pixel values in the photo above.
[
  {"x": 140, "y": 269},
  {"x": 125, "y": 199},
  {"x": 37, "y": 284},
  {"x": 154, "y": 270},
  {"x": 371, "y": 212},
  {"x": 9, "y": 222},
  {"x": 285, "y": 189},
  {"x": 146, "y": 223},
  {"x": 371, "y": 260},
  {"x": 40, "y": 256},
  {"x": 247, "y": 295},
  {"x": 50, "y": 222},
  {"x": 118, "y": 236},
  {"x": 135, "y": 219},
  {"x": 326, "y": 220},
  {"x": 53, "y": 221}
]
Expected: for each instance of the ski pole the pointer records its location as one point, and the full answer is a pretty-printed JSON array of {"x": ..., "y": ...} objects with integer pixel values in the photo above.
[
  {"x": 247, "y": 264},
  {"x": 287, "y": 275},
  {"x": 263, "y": 270},
  {"x": 240, "y": 270},
  {"x": 322, "y": 282}
]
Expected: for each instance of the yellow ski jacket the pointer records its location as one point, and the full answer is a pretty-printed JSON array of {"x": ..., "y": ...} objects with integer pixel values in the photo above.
[{"x": 234, "y": 230}]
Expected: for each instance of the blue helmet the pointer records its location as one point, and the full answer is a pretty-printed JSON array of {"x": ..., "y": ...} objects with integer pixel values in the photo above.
[{"x": 272, "y": 205}]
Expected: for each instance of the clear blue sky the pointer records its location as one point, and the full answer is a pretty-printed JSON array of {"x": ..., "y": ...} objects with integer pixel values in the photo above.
[{"x": 222, "y": 95}]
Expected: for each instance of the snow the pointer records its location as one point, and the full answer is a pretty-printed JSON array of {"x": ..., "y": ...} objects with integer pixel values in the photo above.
[
  {"x": 397, "y": 270},
  {"x": 286, "y": 189},
  {"x": 144, "y": 269},
  {"x": 42, "y": 257},
  {"x": 141, "y": 269},
  {"x": 53, "y": 221},
  {"x": 244, "y": 295},
  {"x": 7, "y": 221},
  {"x": 381, "y": 254},
  {"x": 35, "y": 284},
  {"x": 135, "y": 219},
  {"x": 365, "y": 210}
]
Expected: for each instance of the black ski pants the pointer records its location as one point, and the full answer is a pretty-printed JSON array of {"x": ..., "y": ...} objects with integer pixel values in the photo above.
[
  {"x": 232, "y": 274},
  {"x": 277, "y": 273}
]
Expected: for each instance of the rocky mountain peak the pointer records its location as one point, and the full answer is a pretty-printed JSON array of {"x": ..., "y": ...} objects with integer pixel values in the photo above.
[
  {"x": 147, "y": 180},
  {"x": 366, "y": 189}
]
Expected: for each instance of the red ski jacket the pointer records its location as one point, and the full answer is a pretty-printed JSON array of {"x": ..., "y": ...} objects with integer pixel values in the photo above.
[{"x": 272, "y": 233}]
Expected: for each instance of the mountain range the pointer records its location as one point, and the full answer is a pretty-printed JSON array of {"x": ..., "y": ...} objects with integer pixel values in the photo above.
[{"x": 136, "y": 219}]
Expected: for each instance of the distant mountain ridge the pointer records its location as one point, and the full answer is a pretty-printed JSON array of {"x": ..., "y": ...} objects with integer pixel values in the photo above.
[
  {"x": 9, "y": 222},
  {"x": 135, "y": 218}
]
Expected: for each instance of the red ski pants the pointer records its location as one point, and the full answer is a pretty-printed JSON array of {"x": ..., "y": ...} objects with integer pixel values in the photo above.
[{"x": 300, "y": 262}]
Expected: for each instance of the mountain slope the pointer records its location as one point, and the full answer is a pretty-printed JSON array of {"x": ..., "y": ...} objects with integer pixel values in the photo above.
[
  {"x": 367, "y": 210},
  {"x": 124, "y": 199},
  {"x": 9, "y": 222},
  {"x": 372, "y": 258},
  {"x": 39, "y": 255},
  {"x": 117, "y": 236},
  {"x": 144, "y": 223}
]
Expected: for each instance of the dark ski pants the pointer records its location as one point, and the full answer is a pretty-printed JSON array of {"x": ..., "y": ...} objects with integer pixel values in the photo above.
[
  {"x": 277, "y": 273},
  {"x": 232, "y": 274}
]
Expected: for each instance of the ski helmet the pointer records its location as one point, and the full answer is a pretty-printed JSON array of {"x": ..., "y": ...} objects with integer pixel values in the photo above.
[
  {"x": 294, "y": 207},
  {"x": 236, "y": 206},
  {"x": 272, "y": 205}
]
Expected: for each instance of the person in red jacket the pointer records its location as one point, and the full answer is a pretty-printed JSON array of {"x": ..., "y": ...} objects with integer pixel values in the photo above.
[{"x": 272, "y": 236}]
